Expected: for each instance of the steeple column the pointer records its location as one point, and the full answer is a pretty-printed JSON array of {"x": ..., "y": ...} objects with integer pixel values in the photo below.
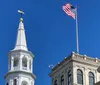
[
  {"x": 28, "y": 64},
  {"x": 12, "y": 63},
  {"x": 17, "y": 81},
  {"x": 31, "y": 65},
  {"x": 20, "y": 62},
  {"x": 9, "y": 64},
  {"x": 11, "y": 82}
]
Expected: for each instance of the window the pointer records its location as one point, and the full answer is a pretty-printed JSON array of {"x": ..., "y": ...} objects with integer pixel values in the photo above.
[
  {"x": 24, "y": 83},
  {"x": 79, "y": 77},
  {"x": 62, "y": 80},
  {"x": 91, "y": 78},
  {"x": 15, "y": 61},
  {"x": 7, "y": 84},
  {"x": 14, "y": 82},
  {"x": 55, "y": 82},
  {"x": 24, "y": 62},
  {"x": 69, "y": 77}
]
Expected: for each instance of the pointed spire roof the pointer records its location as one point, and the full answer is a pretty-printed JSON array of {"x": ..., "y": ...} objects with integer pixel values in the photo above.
[{"x": 21, "y": 38}]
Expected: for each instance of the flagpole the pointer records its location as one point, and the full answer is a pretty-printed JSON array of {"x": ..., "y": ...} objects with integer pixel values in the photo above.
[{"x": 77, "y": 43}]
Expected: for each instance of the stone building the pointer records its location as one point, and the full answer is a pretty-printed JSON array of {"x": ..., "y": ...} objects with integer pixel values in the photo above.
[
  {"x": 20, "y": 61},
  {"x": 76, "y": 69}
]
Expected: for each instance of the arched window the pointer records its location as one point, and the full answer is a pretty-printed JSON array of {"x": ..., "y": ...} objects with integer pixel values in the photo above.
[
  {"x": 24, "y": 62},
  {"x": 7, "y": 84},
  {"x": 24, "y": 83},
  {"x": 69, "y": 77},
  {"x": 62, "y": 80},
  {"x": 79, "y": 77},
  {"x": 14, "y": 82},
  {"x": 55, "y": 82},
  {"x": 15, "y": 62},
  {"x": 91, "y": 78}
]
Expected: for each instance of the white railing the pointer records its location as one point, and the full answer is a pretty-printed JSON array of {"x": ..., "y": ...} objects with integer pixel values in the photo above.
[
  {"x": 16, "y": 68},
  {"x": 24, "y": 68}
]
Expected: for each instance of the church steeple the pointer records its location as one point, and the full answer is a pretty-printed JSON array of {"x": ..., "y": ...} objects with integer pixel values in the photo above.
[
  {"x": 21, "y": 38},
  {"x": 20, "y": 61}
]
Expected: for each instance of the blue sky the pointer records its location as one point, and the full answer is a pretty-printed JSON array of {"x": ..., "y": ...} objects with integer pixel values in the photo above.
[{"x": 50, "y": 32}]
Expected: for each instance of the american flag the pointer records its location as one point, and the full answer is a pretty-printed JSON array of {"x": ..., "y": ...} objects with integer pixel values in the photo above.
[{"x": 69, "y": 10}]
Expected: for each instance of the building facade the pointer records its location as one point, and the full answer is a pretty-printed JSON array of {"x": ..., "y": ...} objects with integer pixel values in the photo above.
[
  {"x": 20, "y": 61},
  {"x": 76, "y": 70}
]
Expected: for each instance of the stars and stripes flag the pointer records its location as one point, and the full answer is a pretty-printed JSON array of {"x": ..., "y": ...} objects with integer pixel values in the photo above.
[
  {"x": 69, "y": 10},
  {"x": 72, "y": 12}
]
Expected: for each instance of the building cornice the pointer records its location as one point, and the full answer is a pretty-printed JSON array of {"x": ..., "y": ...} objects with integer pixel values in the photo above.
[{"x": 74, "y": 57}]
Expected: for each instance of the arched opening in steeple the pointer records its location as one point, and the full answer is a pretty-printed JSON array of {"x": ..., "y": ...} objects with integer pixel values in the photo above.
[
  {"x": 15, "y": 62},
  {"x": 24, "y": 83},
  {"x": 24, "y": 62},
  {"x": 14, "y": 82},
  {"x": 31, "y": 83}
]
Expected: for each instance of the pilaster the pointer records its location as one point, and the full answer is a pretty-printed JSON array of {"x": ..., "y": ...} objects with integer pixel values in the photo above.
[
  {"x": 59, "y": 79},
  {"x": 74, "y": 75},
  {"x": 86, "y": 77},
  {"x": 31, "y": 65},
  {"x": 11, "y": 82},
  {"x": 65, "y": 78}
]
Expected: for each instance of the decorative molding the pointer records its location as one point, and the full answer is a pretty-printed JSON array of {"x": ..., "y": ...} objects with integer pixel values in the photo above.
[
  {"x": 85, "y": 57},
  {"x": 96, "y": 60}
]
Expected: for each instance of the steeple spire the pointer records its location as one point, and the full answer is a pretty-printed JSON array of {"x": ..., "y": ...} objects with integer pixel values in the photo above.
[{"x": 21, "y": 38}]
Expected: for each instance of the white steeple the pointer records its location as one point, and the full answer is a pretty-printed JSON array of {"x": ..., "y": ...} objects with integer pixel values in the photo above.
[
  {"x": 21, "y": 39},
  {"x": 20, "y": 61}
]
